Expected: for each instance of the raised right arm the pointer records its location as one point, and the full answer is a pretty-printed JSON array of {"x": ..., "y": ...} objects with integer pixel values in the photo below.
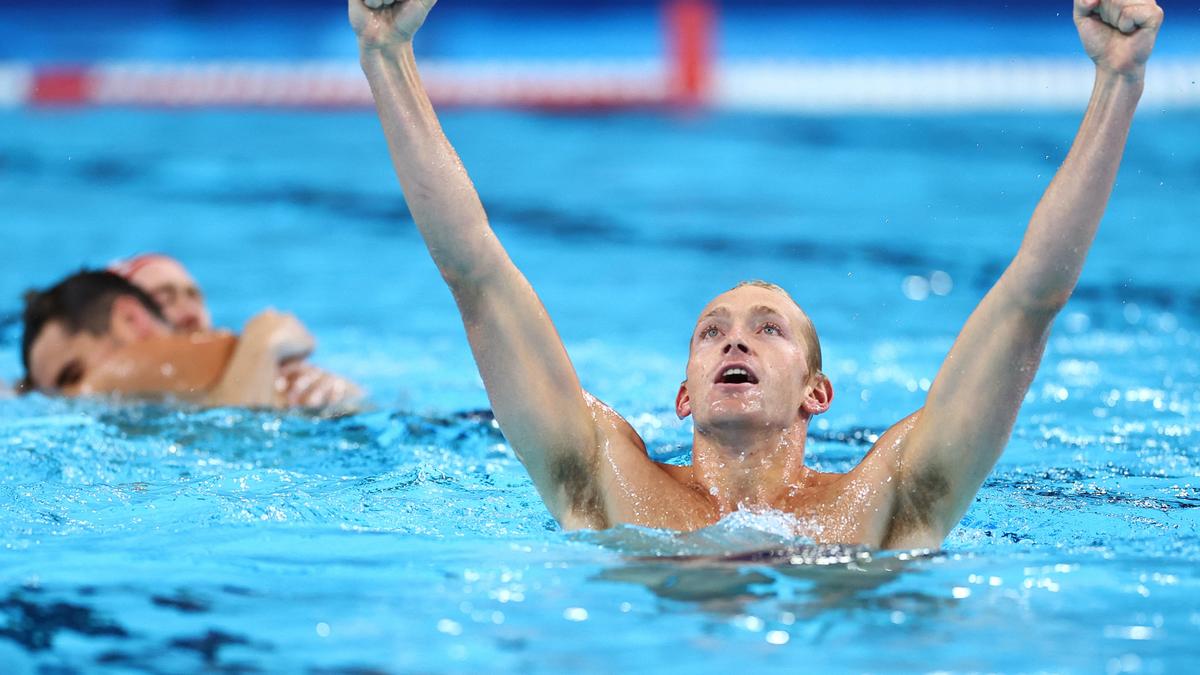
[{"x": 530, "y": 381}]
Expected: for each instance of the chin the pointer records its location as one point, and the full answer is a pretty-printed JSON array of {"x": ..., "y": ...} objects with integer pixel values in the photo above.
[{"x": 732, "y": 414}]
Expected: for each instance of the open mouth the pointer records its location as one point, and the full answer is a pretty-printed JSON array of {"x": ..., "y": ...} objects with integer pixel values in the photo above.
[{"x": 736, "y": 374}]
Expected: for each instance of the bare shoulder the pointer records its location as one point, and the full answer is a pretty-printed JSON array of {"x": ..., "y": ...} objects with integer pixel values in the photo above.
[
  {"x": 613, "y": 429},
  {"x": 909, "y": 494},
  {"x": 635, "y": 489},
  {"x": 621, "y": 446},
  {"x": 885, "y": 458}
]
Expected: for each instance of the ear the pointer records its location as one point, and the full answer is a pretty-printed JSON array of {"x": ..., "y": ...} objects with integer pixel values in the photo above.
[
  {"x": 820, "y": 396},
  {"x": 130, "y": 321},
  {"x": 683, "y": 402}
]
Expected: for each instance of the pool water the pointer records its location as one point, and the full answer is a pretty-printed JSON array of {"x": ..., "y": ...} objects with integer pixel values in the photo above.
[{"x": 149, "y": 538}]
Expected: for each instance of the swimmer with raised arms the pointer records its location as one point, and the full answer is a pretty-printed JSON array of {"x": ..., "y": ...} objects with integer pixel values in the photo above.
[{"x": 753, "y": 374}]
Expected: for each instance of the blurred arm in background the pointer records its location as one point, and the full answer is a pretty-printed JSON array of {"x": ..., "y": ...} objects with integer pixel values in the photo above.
[
  {"x": 94, "y": 332},
  {"x": 252, "y": 378},
  {"x": 262, "y": 368}
]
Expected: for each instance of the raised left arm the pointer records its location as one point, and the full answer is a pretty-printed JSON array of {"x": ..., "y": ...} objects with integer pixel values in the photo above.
[{"x": 972, "y": 405}]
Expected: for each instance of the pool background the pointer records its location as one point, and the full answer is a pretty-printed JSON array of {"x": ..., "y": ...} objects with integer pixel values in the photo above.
[
  {"x": 408, "y": 539},
  {"x": 535, "y": 29}
]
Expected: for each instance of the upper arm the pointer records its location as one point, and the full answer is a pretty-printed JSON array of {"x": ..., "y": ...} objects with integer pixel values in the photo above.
[
  {"x": 531, "y": 383},
  {"x": 971, "y": 408},
  {"x": 181, "y": 366},
  {"x": 533, "y": 388}
]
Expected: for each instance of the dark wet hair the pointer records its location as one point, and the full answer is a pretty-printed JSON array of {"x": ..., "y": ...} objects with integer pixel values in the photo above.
[{"x": 82, "y": 301}]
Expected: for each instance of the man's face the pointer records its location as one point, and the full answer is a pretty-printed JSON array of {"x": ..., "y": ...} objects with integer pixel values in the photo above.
[
  {"x": 747, "y": 365},
  {"x": 176, "y": 293},
  {"x": 61, "y": 363}
]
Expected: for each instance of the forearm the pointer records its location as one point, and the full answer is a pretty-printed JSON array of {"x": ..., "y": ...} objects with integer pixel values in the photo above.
[
  {"x": 439, "y": 193},
  {"x": 249, "y": 379},
  {"x": 1064, "y": 224}
]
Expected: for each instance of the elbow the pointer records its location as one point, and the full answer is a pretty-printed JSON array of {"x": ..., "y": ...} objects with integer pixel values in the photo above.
[
  {"x": 469, "y": 269},
  {"x": 465, "y": 280},
  {"x": 1042, "y": 297},
  {"x": 459, "y": 276},
  {"x": 1055, "y": 303},
  {"x": 1047, "y": 302}
]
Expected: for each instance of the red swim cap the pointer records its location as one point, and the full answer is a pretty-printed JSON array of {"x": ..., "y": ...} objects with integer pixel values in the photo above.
[{"x": 130, "y": 266}]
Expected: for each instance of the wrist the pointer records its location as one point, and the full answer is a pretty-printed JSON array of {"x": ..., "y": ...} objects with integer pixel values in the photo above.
[
  {"x": 1133, "y": 80},
  {"x": 395, "y": 46},
  {"x": 256, "y": 348},
  {"x": 1114, "y": 97},
  {"x": 379, "y": 59},
  {"x": 1118, "y": 91}
]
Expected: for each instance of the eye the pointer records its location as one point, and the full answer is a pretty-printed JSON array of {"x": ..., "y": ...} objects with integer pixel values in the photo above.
[
  {"x": 771, "y": 329},
  {"x": 709, "y": 332},
  {"x": 165, "y": 296},
  {"x": 69, "y": 376}
]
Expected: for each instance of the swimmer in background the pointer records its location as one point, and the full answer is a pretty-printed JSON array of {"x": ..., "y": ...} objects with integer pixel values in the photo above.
[
  {"x": 753, "y": 378},
  {"x": 179, "y": 297},
  {"x": 171, "y": 285},
  {"x": 97, "y": 333}
]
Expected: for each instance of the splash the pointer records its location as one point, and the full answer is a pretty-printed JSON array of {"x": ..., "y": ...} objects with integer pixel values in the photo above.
[{"x": 741, "y": 533}]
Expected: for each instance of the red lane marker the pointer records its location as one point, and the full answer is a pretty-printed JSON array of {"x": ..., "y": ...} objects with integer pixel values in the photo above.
[
  {"x": 61, "y": 86},
  {"x": 690, "y": 26},
  {"x": 269, "y": 85}
]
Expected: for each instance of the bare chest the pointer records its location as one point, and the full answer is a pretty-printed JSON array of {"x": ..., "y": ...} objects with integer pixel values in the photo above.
[{"x": 844, "y": 510}]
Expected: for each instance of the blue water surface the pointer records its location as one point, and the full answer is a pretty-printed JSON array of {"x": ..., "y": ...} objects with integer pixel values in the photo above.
[{"x": 150, "y": 538}]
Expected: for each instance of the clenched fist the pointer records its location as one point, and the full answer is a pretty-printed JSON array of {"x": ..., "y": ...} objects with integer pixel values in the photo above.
[
  {"x": 1119, "y": 34},
  {"x": 379, "y": 23}
]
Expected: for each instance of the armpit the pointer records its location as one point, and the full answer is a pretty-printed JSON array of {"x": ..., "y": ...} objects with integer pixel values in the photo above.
[
  {"x": 575, "y": 475},
  {"x": 917, "y": 503}
]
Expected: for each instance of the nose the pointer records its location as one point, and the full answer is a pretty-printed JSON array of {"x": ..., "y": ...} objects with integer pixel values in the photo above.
[
  {"x": 187, "y": 317},
  {"x": 735, "y": 342}
]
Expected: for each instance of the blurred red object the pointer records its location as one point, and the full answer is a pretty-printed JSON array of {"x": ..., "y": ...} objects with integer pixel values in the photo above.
[{"x": 690, "y": 28}]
